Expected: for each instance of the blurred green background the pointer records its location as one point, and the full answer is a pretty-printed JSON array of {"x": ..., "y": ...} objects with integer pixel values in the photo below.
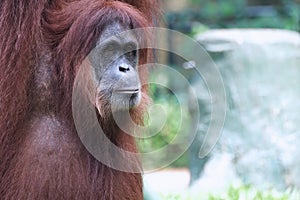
[
  {"x": 261, "y": 136},
  {"x": 192, "y": 16}
]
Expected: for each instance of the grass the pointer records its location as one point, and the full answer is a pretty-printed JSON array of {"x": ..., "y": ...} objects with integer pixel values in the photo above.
[{"x": 239, "y": 193}]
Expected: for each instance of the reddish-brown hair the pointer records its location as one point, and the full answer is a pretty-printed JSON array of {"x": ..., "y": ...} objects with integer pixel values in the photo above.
[{"x": 42, "y": 44}]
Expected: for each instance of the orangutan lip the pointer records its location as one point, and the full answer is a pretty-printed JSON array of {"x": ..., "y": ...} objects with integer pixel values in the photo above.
[{"x": 127, "y": 91}]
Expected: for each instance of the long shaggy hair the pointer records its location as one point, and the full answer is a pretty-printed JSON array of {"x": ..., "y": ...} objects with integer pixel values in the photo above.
[{"x": 42, "y": 46}]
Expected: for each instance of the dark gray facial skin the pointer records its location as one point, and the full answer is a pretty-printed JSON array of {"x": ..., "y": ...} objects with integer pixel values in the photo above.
[{"x": 114, "y": 69}]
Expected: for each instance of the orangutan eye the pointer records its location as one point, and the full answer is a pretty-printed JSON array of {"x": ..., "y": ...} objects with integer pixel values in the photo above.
[
  {"x": 131, "y": 51},
  {"x": 110, "y": 50}
]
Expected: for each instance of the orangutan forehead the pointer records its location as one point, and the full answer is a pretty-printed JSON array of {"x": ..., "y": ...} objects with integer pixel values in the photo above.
[{"x": 117, "y": 31}]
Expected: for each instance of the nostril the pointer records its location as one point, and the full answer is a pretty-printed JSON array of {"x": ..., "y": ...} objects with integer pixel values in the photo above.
[{"x": 123, "y": 68}]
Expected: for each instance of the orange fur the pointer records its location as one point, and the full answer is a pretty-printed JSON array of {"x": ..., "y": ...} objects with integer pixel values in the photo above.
[{"x": 42, "y": 44}]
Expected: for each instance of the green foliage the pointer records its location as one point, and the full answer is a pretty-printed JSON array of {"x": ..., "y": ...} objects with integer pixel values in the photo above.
[
  {"x": 219, "y": 9},
  {"x": 198, "y": 28},
  {"x": 169, "y": 104},
  {"x": 283, "y": 14},
  {"x": 246, "y": 192},
  {"x": 168, "y": 111},
  {"x": 249, "y": 193}
]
